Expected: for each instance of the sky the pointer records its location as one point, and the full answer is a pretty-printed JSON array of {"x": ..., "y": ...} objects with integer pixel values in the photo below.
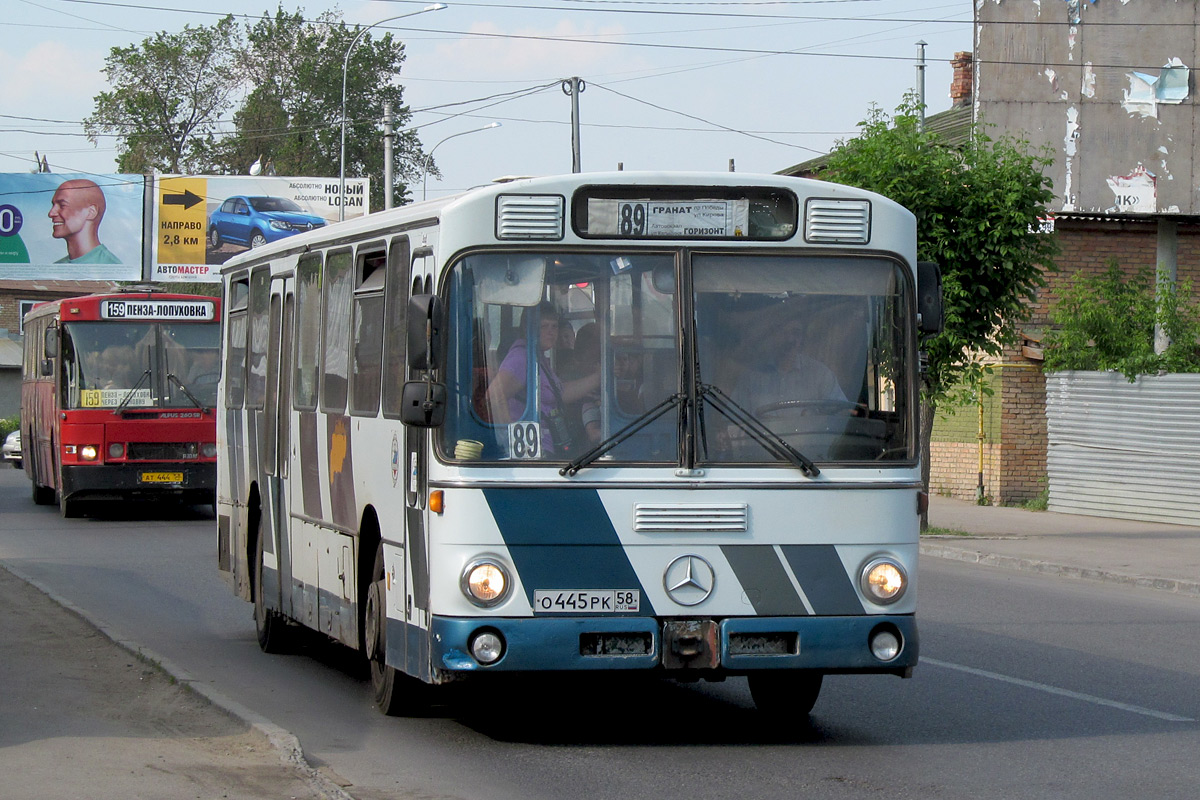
[{"x": 667, "y": 84}]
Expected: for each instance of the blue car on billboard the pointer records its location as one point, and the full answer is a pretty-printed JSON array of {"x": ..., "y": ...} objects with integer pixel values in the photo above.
[{"x": 254, "y": 221}]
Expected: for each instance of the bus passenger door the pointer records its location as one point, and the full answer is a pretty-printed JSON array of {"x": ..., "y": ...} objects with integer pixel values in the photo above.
[
  {"x": 273, "y": 445},
  {"x": 416, "y": 491}
]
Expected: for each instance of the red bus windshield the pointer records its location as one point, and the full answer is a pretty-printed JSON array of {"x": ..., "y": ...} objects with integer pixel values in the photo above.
[{"x": 140, "y": 364}]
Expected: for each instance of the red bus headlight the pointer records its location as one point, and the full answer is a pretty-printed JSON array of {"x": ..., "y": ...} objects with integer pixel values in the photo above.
[
  {"x": 116, "y": 450},
  {"x": 88, "y": 452}
]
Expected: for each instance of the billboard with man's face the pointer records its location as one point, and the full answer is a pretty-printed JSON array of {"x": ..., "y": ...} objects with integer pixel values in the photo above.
[{"x": 71, "y": 227}]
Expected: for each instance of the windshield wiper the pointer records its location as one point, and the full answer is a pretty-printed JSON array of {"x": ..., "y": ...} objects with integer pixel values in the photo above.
[
  {"x": 629, "y": 430},
  {"x": 129, "y": 395},
  {"x": 759, "y": 432},
  {"x": 172, "y": 377}
]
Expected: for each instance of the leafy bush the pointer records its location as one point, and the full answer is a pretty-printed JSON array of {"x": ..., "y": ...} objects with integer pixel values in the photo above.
[
  {"x": 1106, "y": 322},
  {"x": 8, "y": 425}
]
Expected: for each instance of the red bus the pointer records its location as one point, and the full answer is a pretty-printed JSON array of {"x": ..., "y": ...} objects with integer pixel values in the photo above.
[{"x": 118, "y": 397}]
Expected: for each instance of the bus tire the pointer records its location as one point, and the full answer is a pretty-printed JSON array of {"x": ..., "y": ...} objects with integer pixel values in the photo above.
[
  {"x": 42, "y": 495},
  {"x": 274, "y": 633},
  {"x": 785, "y": 694},
  {"x": 395, "y": 693}
]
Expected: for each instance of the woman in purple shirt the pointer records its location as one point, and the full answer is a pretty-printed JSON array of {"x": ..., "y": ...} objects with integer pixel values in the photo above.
[{"x": 507, "y": 396}]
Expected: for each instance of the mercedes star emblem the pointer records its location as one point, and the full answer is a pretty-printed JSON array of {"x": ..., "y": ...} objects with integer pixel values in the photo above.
[{"x": 689, "y": 580}]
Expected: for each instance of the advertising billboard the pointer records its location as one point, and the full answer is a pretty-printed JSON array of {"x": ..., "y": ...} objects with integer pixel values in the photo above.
[
  {"x": 56, "y": 226},
  {"x": 200, "y": 222}
]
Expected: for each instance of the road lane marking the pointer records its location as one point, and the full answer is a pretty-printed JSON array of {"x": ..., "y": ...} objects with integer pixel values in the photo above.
[{"x": 1042, "y": 687}]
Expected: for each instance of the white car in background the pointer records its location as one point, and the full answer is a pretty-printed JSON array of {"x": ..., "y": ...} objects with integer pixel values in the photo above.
[{"x": 11, "y": 450}]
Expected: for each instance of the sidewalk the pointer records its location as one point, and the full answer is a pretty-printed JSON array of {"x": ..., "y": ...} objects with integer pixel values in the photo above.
[
  {"x": 83, "y": 716},
  {"x": 1154, "y": 555}
]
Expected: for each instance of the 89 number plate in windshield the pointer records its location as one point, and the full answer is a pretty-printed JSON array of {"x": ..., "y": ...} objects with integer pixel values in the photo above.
[{"x": 587, "y": 601}]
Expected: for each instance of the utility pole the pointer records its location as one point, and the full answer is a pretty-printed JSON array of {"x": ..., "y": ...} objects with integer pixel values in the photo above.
[
  {"x": 573, "y": 87},
  {"x": 387, "y": 156},
  {"x": 921, "y": 86}
]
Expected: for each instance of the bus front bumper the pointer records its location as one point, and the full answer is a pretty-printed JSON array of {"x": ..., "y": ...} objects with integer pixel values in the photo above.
[
  {"x": 195, "y": 481},
  {"x": 735, "y": 645}
]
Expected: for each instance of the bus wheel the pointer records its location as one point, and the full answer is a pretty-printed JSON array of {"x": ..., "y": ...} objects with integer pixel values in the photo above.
[
  {"x": 42, "y": 495},
  {"x": 274, "y": 633},
  {"x": 785, "y": 694},
  {"x": 395, "y": 693}
]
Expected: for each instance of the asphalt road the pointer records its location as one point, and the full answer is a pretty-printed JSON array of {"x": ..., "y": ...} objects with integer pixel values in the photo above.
[{"x": 1029, "y": 686}]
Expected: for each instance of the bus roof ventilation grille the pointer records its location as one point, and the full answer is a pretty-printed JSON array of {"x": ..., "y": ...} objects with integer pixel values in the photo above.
[
  {"x": 837, "y": 221},
  {"x": 529, "y": 216}
]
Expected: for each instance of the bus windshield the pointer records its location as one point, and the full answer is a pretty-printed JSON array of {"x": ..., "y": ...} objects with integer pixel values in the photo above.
[
  {"x": 140, "y": 365},
  {"x": 555, "y": 355}
]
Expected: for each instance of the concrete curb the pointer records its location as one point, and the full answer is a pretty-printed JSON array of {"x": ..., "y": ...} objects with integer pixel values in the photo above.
[
  {"x": 285, "y": 743},
  {"x": 1185, "y": 587}
]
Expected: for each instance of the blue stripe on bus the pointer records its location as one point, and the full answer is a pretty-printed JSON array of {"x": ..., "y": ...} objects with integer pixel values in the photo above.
[
  {"x": 823, "y": 578},
  {"x": 563, "y": 539}
]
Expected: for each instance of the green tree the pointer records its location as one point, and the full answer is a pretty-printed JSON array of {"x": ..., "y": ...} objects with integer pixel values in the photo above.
[
  {"x": 292, "y": 116},
  {"x": 1107, "y": 321},
  {"x": 167, "y": 97},
  {"x": 977, "y": 206}
]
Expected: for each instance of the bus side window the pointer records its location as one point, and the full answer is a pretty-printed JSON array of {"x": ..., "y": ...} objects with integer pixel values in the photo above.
[
  {"x": 339, "y": 288},
  {"x": 256, "y": 373},
  {"x": 367, "y": 339},
  {"x": 308, "y": 332},
  {"x": 395, "y": 313},
  {"x": 235, "y": 346}
]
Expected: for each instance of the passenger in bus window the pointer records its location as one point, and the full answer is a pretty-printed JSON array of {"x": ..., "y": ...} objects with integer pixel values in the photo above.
[
  {"x": 508, "y": 395},
  {"x": 116, "y": 367},
  {"x": 581, "y": 361}
]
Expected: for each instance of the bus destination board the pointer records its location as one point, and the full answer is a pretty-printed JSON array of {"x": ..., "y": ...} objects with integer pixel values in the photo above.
[{"x": 667, "y": 219}]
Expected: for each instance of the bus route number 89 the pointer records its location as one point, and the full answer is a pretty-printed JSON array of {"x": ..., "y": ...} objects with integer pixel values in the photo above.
[
  {"x": 631, "y": 219},
  {"x": 525, "y": 440}
]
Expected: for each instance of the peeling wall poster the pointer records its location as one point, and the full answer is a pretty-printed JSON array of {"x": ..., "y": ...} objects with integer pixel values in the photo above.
[{"x": 1136, "y": 192}]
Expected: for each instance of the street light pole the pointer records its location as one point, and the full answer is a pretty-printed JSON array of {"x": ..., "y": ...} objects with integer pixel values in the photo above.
[
  {"x": 345, "y": 73},
  {"x": 429, "y": 157}
]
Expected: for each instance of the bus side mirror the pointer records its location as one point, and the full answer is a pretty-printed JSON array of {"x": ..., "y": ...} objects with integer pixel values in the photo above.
[
  {"x": 425, "y": 321},
  {"x": 423, "y": 404},
  {"x": 50, "y": 343},
  {"x": 929, "y": 297},
  {"x": 46, "y": 367}
]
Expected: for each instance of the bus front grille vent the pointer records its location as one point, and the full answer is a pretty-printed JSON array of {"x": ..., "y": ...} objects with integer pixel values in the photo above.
[
  {"x": 837, "y": 221},
  {"x": 162, "y": 451},
  {"x": 690, "y": 517},
  {"x": 529, "y": 216}
]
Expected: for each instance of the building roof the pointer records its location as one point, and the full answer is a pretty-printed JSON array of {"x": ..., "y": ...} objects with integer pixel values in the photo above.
[{"x": 953, "y": 126}]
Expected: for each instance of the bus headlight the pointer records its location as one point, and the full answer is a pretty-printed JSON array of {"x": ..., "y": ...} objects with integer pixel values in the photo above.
[
  {"x": 485, "y": 582},
  {"x": 116, "y": 450},
  {"x": 88, "y": 452},
  {"x": 883, "y": 581},
  {"x": 208, "y": 450}
]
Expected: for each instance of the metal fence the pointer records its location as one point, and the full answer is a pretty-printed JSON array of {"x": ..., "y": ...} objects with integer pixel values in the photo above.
[{"x": 1124, "y": 450}]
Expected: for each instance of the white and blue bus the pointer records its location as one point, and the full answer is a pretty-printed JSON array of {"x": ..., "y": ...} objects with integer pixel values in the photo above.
[{"x": 663, "y": 423}]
